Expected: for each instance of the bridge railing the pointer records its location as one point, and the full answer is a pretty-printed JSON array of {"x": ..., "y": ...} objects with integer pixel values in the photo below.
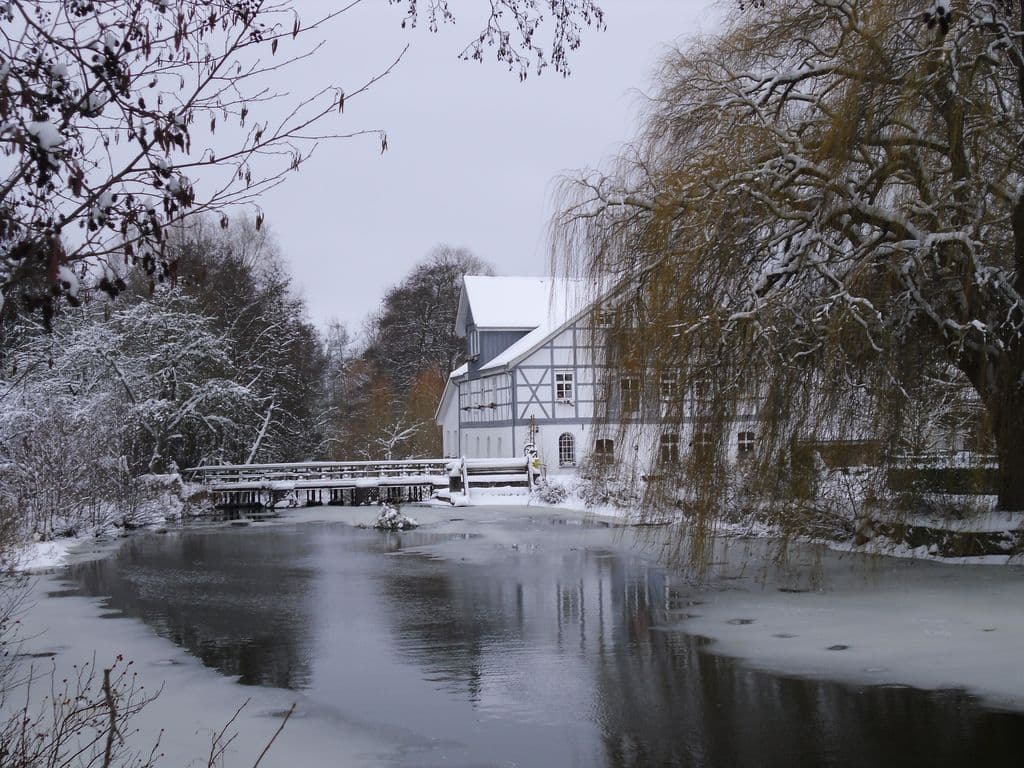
[
  {"x": 315, "y": 470},
  {"x": 352, "y": 481}
]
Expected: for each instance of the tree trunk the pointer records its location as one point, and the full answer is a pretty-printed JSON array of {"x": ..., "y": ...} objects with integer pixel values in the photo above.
[{"x": 1009, "y": 434}]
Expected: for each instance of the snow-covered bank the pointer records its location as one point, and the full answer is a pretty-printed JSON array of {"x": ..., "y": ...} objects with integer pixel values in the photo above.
[
  {"x": 872, "y": 622},
  {"x": 987, "y": 538},
  {"x": 157, "y": 501},
  {"x": 41, "y": 555},
  {"x": 48, "y": 556}
]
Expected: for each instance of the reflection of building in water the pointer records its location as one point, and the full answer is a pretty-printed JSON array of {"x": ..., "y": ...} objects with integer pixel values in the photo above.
[
  {"x": 238, "y": 601},
  {"x": 584, "y": 639}
]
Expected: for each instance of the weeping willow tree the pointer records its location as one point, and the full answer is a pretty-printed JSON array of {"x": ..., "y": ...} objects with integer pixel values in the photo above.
[{"x": 817, "y": 238}]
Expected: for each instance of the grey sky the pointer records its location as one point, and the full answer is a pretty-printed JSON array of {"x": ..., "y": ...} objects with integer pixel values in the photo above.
[{"x": 472, "y": 151}]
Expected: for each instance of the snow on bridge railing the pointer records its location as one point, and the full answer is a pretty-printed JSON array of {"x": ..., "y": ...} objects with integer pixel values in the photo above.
[
  {"x": 517, "y": 464},
  {"x": 316, "y": 469}
]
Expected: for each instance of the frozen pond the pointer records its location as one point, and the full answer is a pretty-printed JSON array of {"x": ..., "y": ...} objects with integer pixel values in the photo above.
[{"x": 517, "y": 638}]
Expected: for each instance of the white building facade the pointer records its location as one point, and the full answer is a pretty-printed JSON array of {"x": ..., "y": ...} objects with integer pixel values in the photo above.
[
  {"x": 530, "y": 376},
  {"x": 534, "y": 377}
]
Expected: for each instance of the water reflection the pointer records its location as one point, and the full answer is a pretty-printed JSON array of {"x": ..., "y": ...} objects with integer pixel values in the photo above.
[
  {"x": 237, "y": 601},
  {"x": 546, "y": 651},
  {"x": 658, "y": 697}
]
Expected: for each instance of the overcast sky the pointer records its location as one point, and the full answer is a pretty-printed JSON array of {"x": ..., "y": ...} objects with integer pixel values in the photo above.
[{"x": 473, "y": 152}]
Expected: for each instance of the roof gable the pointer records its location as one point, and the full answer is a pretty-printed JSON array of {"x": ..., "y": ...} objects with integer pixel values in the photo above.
[{"x": 533, "y": 340}]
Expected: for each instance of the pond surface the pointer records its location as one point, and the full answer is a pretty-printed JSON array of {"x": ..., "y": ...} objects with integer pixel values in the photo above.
[{"x": 530, "y": 642}]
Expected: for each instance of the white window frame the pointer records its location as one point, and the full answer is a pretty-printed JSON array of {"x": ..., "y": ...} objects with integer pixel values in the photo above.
[
  {"x": 565, "y": 386},
  {"x": 608, "y": 444},
  {"x": 474, "y": 344},
  {"x": 567, "y": 449},
  {"x": 702, "y": 442},
  {"x": 746, "y": 440}
]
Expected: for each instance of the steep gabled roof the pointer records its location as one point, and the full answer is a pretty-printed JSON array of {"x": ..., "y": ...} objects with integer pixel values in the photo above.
[
  {"x": 515, "y": 303},
  {"x": 543, "y": 306}
]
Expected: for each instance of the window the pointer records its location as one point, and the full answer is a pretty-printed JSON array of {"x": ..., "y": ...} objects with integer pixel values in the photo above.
[
  {"x": 669, "y": 387},
  {"x": 604, "y": 449},
  {"x": 701, "y": 390},
  {"x": 563, "y": 386},
  {"x": 630, "y": 388},
  {"x": 473, "y": 340},
  {"x": 604, "y": 318},
  {"x": 701, "y": 444},
  {"x": 744, "y": 444},
  {"x": 669, "y": 449},
  {"x": 566, "y": 450}
]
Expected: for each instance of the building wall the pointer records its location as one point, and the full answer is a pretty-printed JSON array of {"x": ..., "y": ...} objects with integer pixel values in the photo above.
[
  {"x": 496, "y": 411},
  {"x": 448, "y": 420},
  {"x": 536, "y": 376},
  {"x": 482, "y": 441},
  {"x": 486, "y": 400}
]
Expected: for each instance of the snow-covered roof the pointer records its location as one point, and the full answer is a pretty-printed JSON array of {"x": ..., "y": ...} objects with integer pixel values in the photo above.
[
  {"x": 516, "y": 303},
  {"x": 539, "y": 305}
]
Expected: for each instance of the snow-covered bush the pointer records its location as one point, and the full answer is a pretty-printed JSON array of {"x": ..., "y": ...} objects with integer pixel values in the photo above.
[
  {"x": 549, "y": 492},
  {"x": 48, "y": 465},
  {"x": 603, "y": 484},
  {"x": 106, "y": 397},
  {"x": 393, "y": 519}
]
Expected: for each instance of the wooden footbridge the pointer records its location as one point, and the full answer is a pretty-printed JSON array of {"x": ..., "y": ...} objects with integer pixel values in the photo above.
[{"x": 355, "y": 482}]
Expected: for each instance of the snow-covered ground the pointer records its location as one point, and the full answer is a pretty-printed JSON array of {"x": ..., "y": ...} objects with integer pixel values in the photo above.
[
  {"x": 990, "y": 521},
  {"x": 41, "y": 555}
]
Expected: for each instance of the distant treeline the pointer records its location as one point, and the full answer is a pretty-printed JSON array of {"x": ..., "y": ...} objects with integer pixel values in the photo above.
[{"x": 218, "y": 363}]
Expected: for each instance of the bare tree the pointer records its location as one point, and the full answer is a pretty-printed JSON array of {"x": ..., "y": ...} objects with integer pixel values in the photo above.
[
  {"x": 392, "y": 435},
  {"x": 109, "y": 111}
]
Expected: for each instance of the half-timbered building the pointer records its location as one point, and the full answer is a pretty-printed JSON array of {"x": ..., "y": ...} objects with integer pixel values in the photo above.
[
  {"x": 529, "y": 375},
  {"x": 533, "y": 376}
]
